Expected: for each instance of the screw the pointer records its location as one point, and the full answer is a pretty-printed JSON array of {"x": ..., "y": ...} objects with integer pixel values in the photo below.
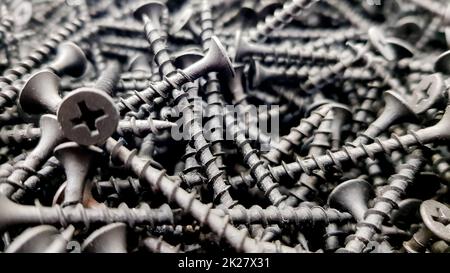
[
  {"x": 158, "y": 245},
  {"x": 189, "y": 203},
  {"x": 352, "y": 196},
  {"x": 297, "y": 134},
  {"x": 8, "y": 93},
  {"x": 51, "y": 136},
  {"x": 435, "y": 217},
  {"x": 41, "y": 239},
  {"x": 280, "y": 18},
  {"x": 108, "y": 239},
  {"x": 385, "y": 202},
  {"x": 76, "y": 161},
  {"x": 32, "y": 183},
  {"x": 215, "y": 60}
]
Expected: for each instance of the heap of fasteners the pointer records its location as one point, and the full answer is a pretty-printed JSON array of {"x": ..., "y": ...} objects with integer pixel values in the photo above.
[{"x": 237, "y": 126}]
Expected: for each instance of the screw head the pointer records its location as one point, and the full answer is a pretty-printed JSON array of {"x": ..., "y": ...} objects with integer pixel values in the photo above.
[
  {"x": 40, "y": 93},
  {"x": 88, "y": 116},
  {"x": 34, "y": 239},
  {"x": 23, "y": 13},
  {"x": 401, "y": 48},
  {"x": 436, "y": 217},
  {"x": 182, "y": 21},
  {"x": 151, "y": 7},
  {"x": 407, "y": 213},
  {"x": 442, "y": 63},
  {"x": 379, "y": 42},
  {"x": 433, "y": 87},
  {"x": 409, "y": 27}
]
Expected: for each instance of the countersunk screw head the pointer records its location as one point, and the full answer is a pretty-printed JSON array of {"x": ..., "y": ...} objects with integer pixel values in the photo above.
[
  {"x": 378, "y": 41},
  {"x": 88, "y": 116},
  {"x": 151, "y": 8},
  {"x": 436, "y": 217},
  {"x": 23, "y": 13},
  {"x": 442, "y": 63},
  {"x": 108, "y": 239},
  {"x": 33, "y": 240},
  {"x": 40, "y": 93}
]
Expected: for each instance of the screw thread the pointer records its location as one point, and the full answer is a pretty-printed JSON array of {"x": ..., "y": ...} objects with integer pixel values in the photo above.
[
  {"x": 279, "y": 19},
  {"x": 307, "y": 187},
  {"x": 158, "y": 245},
  {"x": 32, "y": 183},
  {"x": 441, "y": 166},
  {"x": 7, "y": 168},
  {"x": 385, "y": 202},
  {"x": 257, "y": 166},
  {"x": 187, "y": 201},
  {"x": 296, "y": 135},
  {"x": 8, "y": 92},
  {"x": 18, "y": 134},
  {"x": 142, "y": 128},
  {"x": 311, "y": 217},
  {"x": 351, "y": 14}
]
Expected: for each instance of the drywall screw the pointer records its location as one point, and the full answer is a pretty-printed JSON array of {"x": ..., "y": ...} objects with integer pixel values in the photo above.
[
  {"x": 75, "y": 215},
  {"x": 366, "y": 111},
  {"x": 347, "y": 155},
  {"x": 19, "y": 134},
  {"x": 302, "y": 53},
  {"x": 440, "y": 247},
  {"x": 132, "y": 187},
  {"x": 41, "y": 239},
  {"x": 312, "y": 217},
  {"x": 32, "y": 183},
  {"x": 351, "y": 14},
  {"x": 396, "y": 110},
  {"x": 76, "y": 161},
  {"x": 257, "y": 166},
  {"x": 158, "y": 245},
  {"x": 212, "y": 88},
  {"x": 385, "y": 202},
  {"x": 307, "y": 186},
  {"x": 9, "y": 93},
  {"x": 219, "y": 225},
  {"x": 107, "y": 239},
  {"x": 352, "y": 196},
  {"x": 150, "y": 13},
  {"x": 51, "y": 136},
  {"x": 7, "y": 168},
  {"x": 87, "y": 115},
  {"x": 441, "y": 166},
  {"x": 205, "y": 156},
  {"x": 138, "y": 68},
  {"x": 436, "y": 8},
  {"x": 215, "y": 60},
  {"x": 263, "y": 74},
  {"x": 280, "y": 18},
  {"x": 143, "y": 127},
  {"x": 9, "y": 115},
  {"x": 296, "y": 135},
  {"x": 435, "y": 217}
]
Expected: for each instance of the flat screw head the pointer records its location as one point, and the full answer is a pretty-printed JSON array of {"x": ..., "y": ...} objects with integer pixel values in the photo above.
[
  {"x": 152, "y": 7},
  {"x": 442, "y": 63},
  {"x": 436, "y": 217},
  {"x": 433, "y": 86},
  {"x": 23, "y": 13},
  {"x": 88, "y": 116}
]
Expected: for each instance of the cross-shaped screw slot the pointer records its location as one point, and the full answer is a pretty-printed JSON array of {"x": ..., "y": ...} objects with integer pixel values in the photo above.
[
  {"x": 440, "y": 217},
  {"x": 88, "y": 118}
]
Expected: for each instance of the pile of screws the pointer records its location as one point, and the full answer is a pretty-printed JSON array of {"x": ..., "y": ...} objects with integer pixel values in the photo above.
[{"x": 225, "y": 126}]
